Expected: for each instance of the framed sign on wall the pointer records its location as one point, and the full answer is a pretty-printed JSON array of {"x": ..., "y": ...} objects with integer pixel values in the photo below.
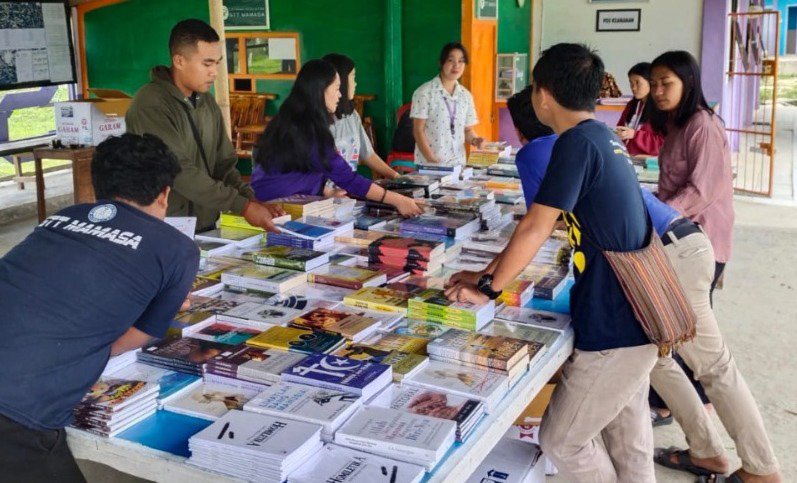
[
  {"x": 618, "y": 20},
  {"x": 246, "y": 15}
]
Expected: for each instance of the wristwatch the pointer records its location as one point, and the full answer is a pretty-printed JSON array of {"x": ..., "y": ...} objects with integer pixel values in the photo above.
[{"x": 485, "y": 286}]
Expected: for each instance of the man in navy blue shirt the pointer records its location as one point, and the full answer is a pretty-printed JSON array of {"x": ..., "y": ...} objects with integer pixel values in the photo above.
[
  {"x": 604, "y": 386},
  {"x": 690, "y": 253},
  {"x": 92, "y": 281}
]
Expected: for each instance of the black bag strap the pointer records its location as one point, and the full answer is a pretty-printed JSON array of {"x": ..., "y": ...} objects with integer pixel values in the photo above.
[{"x": 196, "y": 137}]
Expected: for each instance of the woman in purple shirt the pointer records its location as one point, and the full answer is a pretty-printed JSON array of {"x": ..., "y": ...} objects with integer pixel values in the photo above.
[{"x": 296, "y": 153}]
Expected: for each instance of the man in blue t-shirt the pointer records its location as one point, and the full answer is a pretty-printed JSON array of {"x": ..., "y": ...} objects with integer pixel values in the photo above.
[
  {"x": 604, "y": 386},
  {"x": 92, "y": 281}
]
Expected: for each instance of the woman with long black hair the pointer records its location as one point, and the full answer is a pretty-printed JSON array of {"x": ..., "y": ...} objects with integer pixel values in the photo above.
[
  {"x": 296, "y": 153},
  {"x": 696, "y": 180},
  {"x": 351, "y": 139},
  {"x": 634, "y": 127}
]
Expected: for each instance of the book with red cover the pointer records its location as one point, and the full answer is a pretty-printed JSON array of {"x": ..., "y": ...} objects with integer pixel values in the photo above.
[{"x": 407, "y": 248}]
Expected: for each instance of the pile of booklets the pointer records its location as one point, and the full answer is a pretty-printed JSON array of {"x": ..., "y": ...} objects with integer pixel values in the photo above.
[
  {"x": 399, "y": 435},
  {"x": 506, "y": 356},
  {"x": 255, "y": 447},
  {"x": 305, "y": 205},
  {"x": 439, "y": 404},
  {"x": 413, "y": 255},
  {"x": 344, "y": 465},
  {"x": 432, "y": 305},
  {"x": 299, "y": 402},
  {"x": 113, "y": 405}
]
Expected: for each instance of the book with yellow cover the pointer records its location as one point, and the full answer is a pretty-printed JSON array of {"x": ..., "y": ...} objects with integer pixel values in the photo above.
[
  {"x": 379, "y": 299},
  {"x": 483, "y": 159},
  {"x": 398, "y": 342},
  {"x": 354, "y": 278},
  {"x": 296, "y": 340},
  {"x": 493, "y": 351}
]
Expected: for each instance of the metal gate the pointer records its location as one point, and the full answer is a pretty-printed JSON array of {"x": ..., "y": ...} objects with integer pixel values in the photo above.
[{"x": 752, "y": 87}]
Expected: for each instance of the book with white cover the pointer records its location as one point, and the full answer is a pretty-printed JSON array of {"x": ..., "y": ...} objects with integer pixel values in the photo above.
[
  {"x": 536, "y": 318},
  {"x": 172, "y": 384},
  {"x": 261, "y": 277},
  {"x": 515, "y": 462},
  {"x": 363, "y": 378},
  {"x": 525, "y": 332},
  {"x": 210, "y": 401},
  {"x": 259, "y": 316},
  {"x": 339, "y": 464},
  {"x": 488, "y": 387},
  {"x": 398, "y": 435},
  {"x": 306, "y": 403}
]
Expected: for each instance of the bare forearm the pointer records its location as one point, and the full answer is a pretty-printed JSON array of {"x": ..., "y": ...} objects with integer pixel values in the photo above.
[{"x": 130, "y": 340}]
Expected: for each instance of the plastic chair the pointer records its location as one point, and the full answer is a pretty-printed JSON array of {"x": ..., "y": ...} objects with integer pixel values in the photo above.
[{"x": 401, "y": 161}]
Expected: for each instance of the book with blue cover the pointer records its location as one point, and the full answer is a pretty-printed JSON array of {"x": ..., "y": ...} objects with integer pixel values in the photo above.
[
  {"x": 305, "y": 230},
  {"x": 166, "y": 431},
  {"x": 451, "y": 225},
  {"x": 363, "y": 378},
  {"x": 171, "y": 383}
]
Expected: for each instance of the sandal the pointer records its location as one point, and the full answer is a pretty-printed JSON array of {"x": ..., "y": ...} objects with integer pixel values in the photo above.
[
  {"x": 713, "y": 478},
  {"x": 658, "y": 420},
  {"x": 664, "y": 457}
]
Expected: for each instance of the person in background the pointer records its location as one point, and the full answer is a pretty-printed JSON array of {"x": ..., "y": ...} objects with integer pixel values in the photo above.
[
  {"x": 443, "y": 113},
  {"x": 695, "y": 160},
  {"x": 604, "y": 386},
  {"x": 634, "y": 127},
  {"x": 296, "y": 153},
  {"x": 689, "y": 250},
  {"x": 351, "y": 140},
  {"x": 537, "y": 139},
  {"x": 177, "y": 106},
  {"x": 92, "y": 281},
  {"x": 696, "y": 180}
]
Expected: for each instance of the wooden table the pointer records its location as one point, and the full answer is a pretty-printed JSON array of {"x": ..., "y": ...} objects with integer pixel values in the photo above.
[
  {"x": 457, "y": 466},
  {"x": 81, "y": 174}
]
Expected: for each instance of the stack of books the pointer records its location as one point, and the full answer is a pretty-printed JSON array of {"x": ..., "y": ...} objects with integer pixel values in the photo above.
[
  {"x": 113, "y": 405},
  {"x": 297, "y": 340},
  {"x": 353, "y": 278},
  {"x": 240, "y": 237},
  {"x": 182, "y": 355},
  {"x": 413, "y": 255},
  {"x": 516, "y": 462},
  {"x": 398, "y": 342},
  {"x": 432, "y": 305},
  {"x": 327, "y": 408},
  {"x": 223, "y": 333},
  {"x": 470, "y": 382},
  {"x": 212, "y": 400},
  {"x": 427, "y": 402},
  {"x": 399, "y": 435},
  {"x": 505, "y": 170},
  {"x": 351, "y": 326},
  {"x": 420, "y": 328},
  {"x": 339, "y": 464},
  {"x": 426, "y": 182},
  {"x": 457, "y": 226},
  {"x": 362, "y": 378},
  {"x": 518, "y": 293},
  {"x": 306, "y": 205},
  {"x": 172, "y": 384},
  {"x": 480, "y": 158},
  {"x": 534, "y": 336},
  {"x": 263, "y": 278},
  {"x": 549, "y": 280},
  {"x": 509, "y": 357},
  {"x": 255, "y": 447},
  {"x": 263, "y": 366},
  {"x": 292, "y": 258},
  {"x": 404, "y": 364},
  {"x": 535, "y": 318}
]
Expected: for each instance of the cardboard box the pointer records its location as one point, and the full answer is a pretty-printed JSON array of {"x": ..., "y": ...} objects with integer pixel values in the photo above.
[{"x": 89, "y": 122}]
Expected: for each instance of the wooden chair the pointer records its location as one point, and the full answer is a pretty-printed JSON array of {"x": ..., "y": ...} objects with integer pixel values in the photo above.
[{"x": 248, "y": 120}]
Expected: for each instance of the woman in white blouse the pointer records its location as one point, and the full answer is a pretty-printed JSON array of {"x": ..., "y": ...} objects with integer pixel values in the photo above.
[
  {"x": 351, "y": 140},
  {"x": 443, "y": 113}
]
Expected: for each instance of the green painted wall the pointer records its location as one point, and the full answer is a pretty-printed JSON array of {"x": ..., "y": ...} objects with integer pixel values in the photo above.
[
  {"x": 514, "y": 27},
  {"x": 125, "y": 40},
  {"x": 425, "y": 27}
]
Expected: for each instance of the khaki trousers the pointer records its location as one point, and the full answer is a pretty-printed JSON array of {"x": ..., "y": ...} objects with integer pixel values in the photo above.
[
  {"x": 709, "y": 358},
  {"x": 602, "y": 394}
]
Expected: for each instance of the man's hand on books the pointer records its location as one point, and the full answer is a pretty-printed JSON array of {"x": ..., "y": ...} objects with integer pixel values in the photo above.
[
  {"x": 186, "y": 305},
  {"x": 275, "y": 210},
  {"x": 466, "y": 276},
  {"x": 465, "y": 292},
  {"x": 259, "y": 214}
]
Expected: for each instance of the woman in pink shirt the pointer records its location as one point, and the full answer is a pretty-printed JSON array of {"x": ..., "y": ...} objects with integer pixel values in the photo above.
[{"x": 695, "y": 160}]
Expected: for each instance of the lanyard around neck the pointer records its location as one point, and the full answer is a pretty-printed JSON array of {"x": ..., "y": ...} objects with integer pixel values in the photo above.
[{"x": 452, "y": 114}]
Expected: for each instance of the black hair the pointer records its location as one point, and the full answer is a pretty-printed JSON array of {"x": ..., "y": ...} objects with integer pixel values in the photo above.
[
  {"x": 301, "y": 124},
  {"x": 523, "y": 116},
  {"x": 133, "y": 167},
  {"x": 572, "y": 73},
  {"x": 683, "y": 65},
  {"x": 187, "y": 33},
  {"x": 344, "y": 65},
  {"x": 641, "y": 69},
  {"x": 446, "y": 51}
]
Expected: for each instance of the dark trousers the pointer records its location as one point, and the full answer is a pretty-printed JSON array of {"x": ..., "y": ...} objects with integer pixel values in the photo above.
[
  {"x": 27, "y": 455},
  {"x": 654, "y": 399}
]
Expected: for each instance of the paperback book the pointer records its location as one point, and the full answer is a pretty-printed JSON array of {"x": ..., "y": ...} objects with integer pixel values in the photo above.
[
  {"x": 351, "y": 326},
  {"x": 338, "y": 464},
  {"x": 252, "y": 364},
  {"x": 379, "y": 299},
  {"x": 210, "y": 401},
  {"x": 260, "y": 277},
  {"x": 292, "y": 258},
  {"x": 353, "y": 278},
  {"x": 224, "y": 333},
  {"x": 432, "y": 305},
  {"x": 260, "y": 316},
  {"x": 490, "y": 351},
  {"x": 341, "y": 374},
  {"x": 486, "y": 386},
  {"x": 297, "y": 340},
  {"x": 535, "y": 318},
  {"x": 454, "y": 226},
  {"x": 182, "y": 355}
]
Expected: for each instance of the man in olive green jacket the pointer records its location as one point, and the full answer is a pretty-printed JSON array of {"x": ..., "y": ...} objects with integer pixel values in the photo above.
[{"x": 178, "y": 96}]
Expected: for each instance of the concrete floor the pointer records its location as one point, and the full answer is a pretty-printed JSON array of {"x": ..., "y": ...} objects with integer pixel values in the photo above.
[{"x": 756, "y": 310}]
